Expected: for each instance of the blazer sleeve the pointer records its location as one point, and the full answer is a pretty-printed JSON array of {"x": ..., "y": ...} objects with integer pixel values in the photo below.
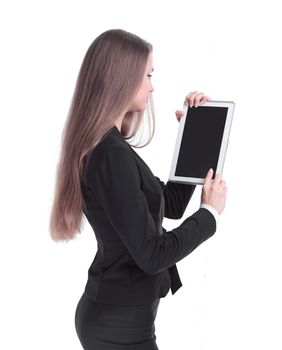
[
  {"x": 115, "y": 183},
  {"x": 177, "y": 197}
]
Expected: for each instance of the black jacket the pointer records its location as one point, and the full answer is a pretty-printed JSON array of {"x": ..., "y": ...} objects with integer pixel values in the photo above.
[{"x": 125, "y": 204}]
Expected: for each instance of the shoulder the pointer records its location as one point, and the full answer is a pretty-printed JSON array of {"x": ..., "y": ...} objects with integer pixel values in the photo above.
[
  {"x": 110, "y": 158},
  {"x": 111, "y": 143},
  {"x": 112, "y": 170},
  {"x": 110, "y": 153}
]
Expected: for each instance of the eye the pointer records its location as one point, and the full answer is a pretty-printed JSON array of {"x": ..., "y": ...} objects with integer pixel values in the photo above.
[{"x": 149, "y": 76}]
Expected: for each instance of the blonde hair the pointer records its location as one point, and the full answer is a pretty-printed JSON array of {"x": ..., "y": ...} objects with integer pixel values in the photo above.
[{"x": 109, "y": 77}]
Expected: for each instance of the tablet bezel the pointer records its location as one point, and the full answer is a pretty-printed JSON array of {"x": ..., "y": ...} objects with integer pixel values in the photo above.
[{"x": 225, "y": 138}]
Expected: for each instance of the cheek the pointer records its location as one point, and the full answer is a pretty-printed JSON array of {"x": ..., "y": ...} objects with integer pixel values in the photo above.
[
  {"x": 142, "y": 94},
  {"x": 145, "y": 87},
  {"x": 141, "y": 98},
  {"x": 139, "y": 102}
]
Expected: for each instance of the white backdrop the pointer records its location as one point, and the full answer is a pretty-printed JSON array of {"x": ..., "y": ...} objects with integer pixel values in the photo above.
[{"x": 231, "y": 294}]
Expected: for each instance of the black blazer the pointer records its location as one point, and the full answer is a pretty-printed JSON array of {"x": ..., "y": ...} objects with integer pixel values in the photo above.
[{"x": 125, "y": 204}]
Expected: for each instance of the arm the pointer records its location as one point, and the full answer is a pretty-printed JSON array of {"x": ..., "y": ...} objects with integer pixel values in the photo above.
[
  {"x": 177, "y": 197},
  {"x": 115, "y": 184},
  {"x": 212, "y": 210}
]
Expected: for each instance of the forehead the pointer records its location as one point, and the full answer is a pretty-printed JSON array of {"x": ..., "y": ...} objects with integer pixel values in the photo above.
[{"x": 150, "y": 61}]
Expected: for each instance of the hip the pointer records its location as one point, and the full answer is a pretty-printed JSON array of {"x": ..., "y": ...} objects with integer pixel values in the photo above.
[{"x": 110, "y": 326}]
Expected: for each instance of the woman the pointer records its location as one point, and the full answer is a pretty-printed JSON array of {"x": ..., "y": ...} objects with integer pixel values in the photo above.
[{"x": 101, "y": 176}]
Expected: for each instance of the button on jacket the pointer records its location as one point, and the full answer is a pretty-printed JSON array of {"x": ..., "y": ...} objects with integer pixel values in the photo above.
[{"x": 125, "y": 204}]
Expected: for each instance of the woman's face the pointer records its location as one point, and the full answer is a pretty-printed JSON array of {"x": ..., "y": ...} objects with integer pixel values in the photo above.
[{"x": 140, "y": 100}]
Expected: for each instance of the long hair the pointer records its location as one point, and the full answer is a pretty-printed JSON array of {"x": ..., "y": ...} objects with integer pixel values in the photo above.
[{"x": 110, "y": 75}]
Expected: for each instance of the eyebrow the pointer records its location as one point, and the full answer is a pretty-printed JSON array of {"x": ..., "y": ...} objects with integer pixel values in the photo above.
[{"x": 152, "y": 69}]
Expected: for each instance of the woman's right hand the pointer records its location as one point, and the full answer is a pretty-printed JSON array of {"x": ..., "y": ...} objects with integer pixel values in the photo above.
[{"x": 214, "y": 192}]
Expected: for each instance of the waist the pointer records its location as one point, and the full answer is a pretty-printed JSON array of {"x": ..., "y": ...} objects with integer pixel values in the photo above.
[{"x": 144, "y": 291}]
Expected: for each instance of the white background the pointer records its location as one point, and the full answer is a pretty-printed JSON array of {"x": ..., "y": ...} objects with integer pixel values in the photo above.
[{"x": 231, "y": 294}]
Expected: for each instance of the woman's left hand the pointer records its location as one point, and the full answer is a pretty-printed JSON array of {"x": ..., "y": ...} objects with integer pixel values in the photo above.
[{"x": 196, "y": 99}]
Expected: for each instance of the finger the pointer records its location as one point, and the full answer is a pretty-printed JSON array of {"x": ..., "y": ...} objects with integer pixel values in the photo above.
[
  {"x": 190, "y": 94},
  {"x": 197, "y": 98},
  {"x": 223, "y": 186},
  {"x": 190, "y": 98},
  {"x": 217, "y": 179},
  {"x": 208, "y": 178},
  {"x": 179, "y": 113},
  {"x": 204, "y": 99}
]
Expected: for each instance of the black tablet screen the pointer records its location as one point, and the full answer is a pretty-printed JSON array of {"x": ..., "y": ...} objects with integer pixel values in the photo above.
[{"x": 201, "y": 141}]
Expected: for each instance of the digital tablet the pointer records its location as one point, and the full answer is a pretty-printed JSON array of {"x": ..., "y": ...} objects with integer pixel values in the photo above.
[{"x": 201, "y": 141}]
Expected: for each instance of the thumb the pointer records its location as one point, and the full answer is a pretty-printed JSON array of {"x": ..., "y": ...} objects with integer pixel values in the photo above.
[
  {"x": 178, "y": 113},
  {"x": 209, "y": 176}
]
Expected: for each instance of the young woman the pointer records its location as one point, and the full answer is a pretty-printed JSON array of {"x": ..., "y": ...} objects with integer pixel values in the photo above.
[{"x": 100, "y": 176}]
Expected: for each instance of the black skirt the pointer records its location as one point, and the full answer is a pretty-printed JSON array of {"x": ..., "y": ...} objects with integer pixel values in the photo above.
[{"x": 102, "y": 326}]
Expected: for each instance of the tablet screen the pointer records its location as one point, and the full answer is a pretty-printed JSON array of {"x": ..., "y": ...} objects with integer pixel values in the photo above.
[{"x": 201, "y": 141}]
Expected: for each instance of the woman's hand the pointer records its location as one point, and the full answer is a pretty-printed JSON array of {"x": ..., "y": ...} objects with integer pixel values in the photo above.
[
  {"x": 195, "y": 98},
  {"x": 214, "y": 192}
]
